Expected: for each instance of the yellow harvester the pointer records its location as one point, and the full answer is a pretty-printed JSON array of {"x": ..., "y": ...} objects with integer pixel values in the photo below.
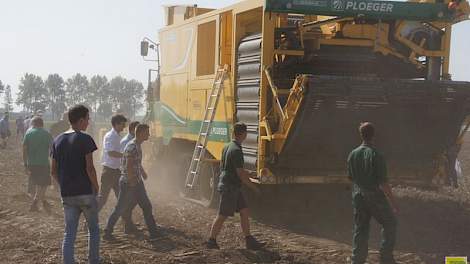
[{"x": 302, "y": 74}]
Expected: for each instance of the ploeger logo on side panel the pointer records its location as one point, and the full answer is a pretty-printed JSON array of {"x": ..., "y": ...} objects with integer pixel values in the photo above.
[
  {"x": 367, "y": 6},
  {"x": 339, "y": 5}
]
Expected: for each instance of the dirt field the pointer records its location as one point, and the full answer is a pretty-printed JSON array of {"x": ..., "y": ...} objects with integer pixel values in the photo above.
[{"x": 312, "y": 227}]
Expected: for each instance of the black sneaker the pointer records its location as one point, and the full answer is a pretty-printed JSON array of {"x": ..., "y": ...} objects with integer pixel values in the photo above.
[
  {"x": 253, "y": 244},
  {"x": 212, "y": 244}
]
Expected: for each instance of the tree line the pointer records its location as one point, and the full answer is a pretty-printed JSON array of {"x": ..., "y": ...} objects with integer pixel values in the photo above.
[
  {"x": 7, "y": 99},
  {"x": 55, "y": 94}
]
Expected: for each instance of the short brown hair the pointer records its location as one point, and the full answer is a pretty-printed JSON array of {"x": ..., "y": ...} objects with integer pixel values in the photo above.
[
  {"x": 367, "y": 131},
  {"x": 76, "y": 113},
  {"x": 118, "y": 119},
  {"x": 133, "y": 125},
  {"x": 141, "y": 127},
  {"x": 239, "y": 128}
]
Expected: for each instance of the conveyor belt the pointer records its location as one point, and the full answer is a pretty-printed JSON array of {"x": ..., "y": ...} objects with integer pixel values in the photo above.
[
  {"x": 415, "y": 122},
  {"x": 247, "y": 87},
  {"x": 348, "y": 61}
]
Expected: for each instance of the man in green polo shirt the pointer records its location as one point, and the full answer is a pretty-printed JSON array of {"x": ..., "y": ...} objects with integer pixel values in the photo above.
[
  {"x": 371, "y": 197},
  {"x": 231, "y": 198},
  {"x": 36, "y": 144}
]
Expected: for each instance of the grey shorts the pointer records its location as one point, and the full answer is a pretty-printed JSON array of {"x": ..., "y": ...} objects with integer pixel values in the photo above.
[
  {"x": 40, "y": 175},
  {"x": 231, "y": 202}
]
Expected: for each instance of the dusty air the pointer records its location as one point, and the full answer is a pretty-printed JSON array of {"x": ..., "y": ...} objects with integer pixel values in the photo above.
[{"x": 267, "y": 131}]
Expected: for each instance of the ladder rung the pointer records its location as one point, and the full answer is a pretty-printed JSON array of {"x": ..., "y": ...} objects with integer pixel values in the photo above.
[{"x": 205, "y": 126}]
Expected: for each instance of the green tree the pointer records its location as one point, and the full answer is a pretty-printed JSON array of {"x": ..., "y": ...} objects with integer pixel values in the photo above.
[
  {"x": 117, "y": 87},
  {"x": 105, "y": 110},
  {"x": 8, "y": 99},
  {"x": 32, "y": 94},
  {"x": 126, "y": 96},
  {"x": 55, "y": 87},
  {"x": 99, "y": 95},
  {"x": 133, "y": 95},
  {"x": 76, "y": 88}
]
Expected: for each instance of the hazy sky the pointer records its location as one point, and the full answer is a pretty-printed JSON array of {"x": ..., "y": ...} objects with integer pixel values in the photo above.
[{"x": 103, "y": 36}]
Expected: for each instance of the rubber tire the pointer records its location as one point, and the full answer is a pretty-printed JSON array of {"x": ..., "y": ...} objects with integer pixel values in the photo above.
[{"x": 208, "y": 181}]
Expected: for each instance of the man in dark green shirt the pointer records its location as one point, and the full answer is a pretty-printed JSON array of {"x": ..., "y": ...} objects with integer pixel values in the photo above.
[
  {"x": 231, "y": 198},
  {"x": 36, "y": 145},
  {"x": 372, "y": 197}
]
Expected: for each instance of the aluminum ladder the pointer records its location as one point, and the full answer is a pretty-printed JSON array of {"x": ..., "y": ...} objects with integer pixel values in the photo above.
[{"x": 204, "y": 132}]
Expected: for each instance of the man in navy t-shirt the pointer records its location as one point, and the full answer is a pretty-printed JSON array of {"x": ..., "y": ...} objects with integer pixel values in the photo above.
[{"x": 72, "y": 167}]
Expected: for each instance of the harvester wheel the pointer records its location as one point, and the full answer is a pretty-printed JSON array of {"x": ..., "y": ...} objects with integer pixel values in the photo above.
[{"x": 208, "y": 180}]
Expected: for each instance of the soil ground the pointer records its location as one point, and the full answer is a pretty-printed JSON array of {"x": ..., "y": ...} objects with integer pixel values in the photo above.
[{"x": 309, "y": 225}]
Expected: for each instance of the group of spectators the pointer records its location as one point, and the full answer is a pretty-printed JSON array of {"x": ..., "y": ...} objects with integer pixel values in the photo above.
[
  {"x": 65, "y": 153},
  {"x": 36, "y": 144},
  {"x": 22, "y": 125},
  {"x": 72, "y": 167}
]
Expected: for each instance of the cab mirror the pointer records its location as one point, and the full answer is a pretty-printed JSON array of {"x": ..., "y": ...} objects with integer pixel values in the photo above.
[{"x": 144, "y": 48}]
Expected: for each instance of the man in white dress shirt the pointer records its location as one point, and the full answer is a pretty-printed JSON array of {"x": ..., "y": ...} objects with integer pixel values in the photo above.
[{"x": 111, "y": 161}]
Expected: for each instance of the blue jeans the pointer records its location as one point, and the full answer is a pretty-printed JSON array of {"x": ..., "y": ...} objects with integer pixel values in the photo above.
[
  {"x": 129, "y": 196},
  {"x": 110, "y": 180},
  {"x": 73, "y": 207}
]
